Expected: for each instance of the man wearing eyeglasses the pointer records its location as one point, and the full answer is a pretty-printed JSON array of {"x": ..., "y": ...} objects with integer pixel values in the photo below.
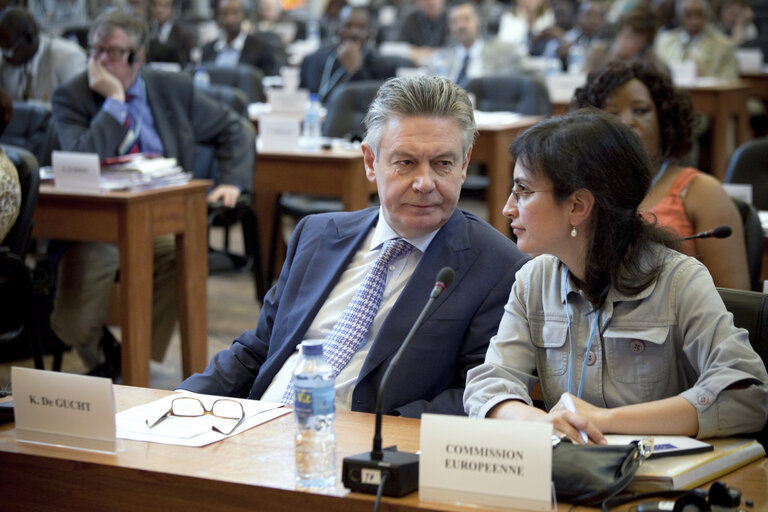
[
  {"x": 34, "y": 64},
  {"x": 118, "y": 107}
]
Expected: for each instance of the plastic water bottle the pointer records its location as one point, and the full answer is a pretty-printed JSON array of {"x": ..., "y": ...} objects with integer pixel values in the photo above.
[
  {"x": 312, "y": 129},
  {"x": 313, "y": 385},
  {"x": 313, "y": 33},
  {"x": 576, "y": 57},
  {"x": 201, "y": 77}
]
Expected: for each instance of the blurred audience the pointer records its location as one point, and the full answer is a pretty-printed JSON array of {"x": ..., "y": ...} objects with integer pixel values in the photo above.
[
  {"x": 236, "y": 46},
  {"x": 53, "y": 16},
  {"x": 574, "y": 45},
  {"x": 634, "y": 38},
  {"x": 425, "y": 26},
  {"x": 348, "y": 60},
  {"x": 34, "y": 64},
  {"x": 10, "y": 189},
  {"x": 170, "y": 40},
  {"x": 735, "y": 19},
  {"x": 698, "y": 40},
  {"x": 525, "y": 25},
  {"x": 473, "y": 56},
  {"x": 682, "y": 199}
]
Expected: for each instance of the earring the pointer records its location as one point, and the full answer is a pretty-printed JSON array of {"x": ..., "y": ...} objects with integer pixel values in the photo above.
[{"x": 573, "y": 231}]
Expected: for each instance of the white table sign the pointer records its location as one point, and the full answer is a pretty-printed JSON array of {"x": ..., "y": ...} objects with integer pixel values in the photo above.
[
  {"x": 64, "y": 409},
  {"x": 485, "y": 462},
  {"x": 278, "y": 132},
  {"x": 76, "y": 171},
  {"x": 282, "y": 100}
]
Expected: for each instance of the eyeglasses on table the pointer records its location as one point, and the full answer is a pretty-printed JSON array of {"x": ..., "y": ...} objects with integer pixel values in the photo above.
[{"x": 191, "y": 407}]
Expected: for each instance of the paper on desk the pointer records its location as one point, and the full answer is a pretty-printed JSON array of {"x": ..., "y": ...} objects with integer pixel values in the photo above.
[
  {"x": 496, "y": 118},
  {"x": 664, "y": 446},
  {"x": 132, "y": 423}
]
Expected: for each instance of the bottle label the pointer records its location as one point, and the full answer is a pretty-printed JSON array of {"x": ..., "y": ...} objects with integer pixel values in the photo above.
[{"x": 314, "y": 400}]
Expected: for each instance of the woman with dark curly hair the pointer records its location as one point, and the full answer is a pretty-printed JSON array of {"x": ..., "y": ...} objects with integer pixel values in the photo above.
[
  {"x": 682, "y": 199},
  {"x": 607, "y": 316}
]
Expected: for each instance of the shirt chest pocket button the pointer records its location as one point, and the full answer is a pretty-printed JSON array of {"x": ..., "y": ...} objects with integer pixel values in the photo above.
[
  {"x": 591, "y": 358},
  {"x": 637, "y": 346}
]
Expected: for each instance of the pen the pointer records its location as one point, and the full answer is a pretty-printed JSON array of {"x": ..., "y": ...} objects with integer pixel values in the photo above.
[{"x": 569, "y": 405}]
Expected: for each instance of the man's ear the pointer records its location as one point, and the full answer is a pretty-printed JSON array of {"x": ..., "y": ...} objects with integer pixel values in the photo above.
[
  {"x": 368, "y": 159},
  {"x": 582, "y": 203}
]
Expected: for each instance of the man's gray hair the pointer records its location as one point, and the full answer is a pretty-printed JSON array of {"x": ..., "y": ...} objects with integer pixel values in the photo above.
[
  {"x": 680, "y": 5},
  {"x": 116, "y": 18},
  {"x": 420, "y": 96}
]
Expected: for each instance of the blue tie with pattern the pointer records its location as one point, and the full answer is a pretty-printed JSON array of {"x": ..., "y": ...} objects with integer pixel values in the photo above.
[{"x": 352, "y": 327}]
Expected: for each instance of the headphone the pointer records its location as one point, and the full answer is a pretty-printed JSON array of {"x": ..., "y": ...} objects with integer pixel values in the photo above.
[
  {"x": 131, "y": 57},
  {"x": 720, "y": 497}
]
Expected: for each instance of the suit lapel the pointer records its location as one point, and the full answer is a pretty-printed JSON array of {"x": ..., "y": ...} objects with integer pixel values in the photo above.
[
  {"x": 450, "y": 247},
  {"x": 161, "y": 118}
]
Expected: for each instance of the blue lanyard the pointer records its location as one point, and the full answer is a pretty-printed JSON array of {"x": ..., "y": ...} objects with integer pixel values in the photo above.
[{"x": 595, "y": 322}]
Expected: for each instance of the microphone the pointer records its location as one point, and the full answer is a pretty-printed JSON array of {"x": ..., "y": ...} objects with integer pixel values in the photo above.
[
  {"x": 718, "y": 232},
  {"x": 364, "y": 472}
]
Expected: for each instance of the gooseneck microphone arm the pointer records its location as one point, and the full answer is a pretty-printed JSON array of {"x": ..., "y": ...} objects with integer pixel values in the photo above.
[
  {"x": 718, "y": 232},
  {"x": 443, "y": 281}
]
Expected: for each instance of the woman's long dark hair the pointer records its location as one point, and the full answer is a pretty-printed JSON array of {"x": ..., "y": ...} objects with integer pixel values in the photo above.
[{"x": 588, "y": 149}]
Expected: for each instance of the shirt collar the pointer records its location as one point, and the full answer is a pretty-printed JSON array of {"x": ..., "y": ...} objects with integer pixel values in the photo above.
[
  {"x": 384, "y": 232},
  {"x": 237, "y": 43},
  {"x": 136, "y": 88}
]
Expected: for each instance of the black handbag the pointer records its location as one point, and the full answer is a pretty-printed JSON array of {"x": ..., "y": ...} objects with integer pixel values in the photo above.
[{"x": 588, "y": 474}]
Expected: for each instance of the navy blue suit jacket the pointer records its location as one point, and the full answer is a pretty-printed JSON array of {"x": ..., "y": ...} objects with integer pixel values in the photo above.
[{"x": 431, "y": 374}]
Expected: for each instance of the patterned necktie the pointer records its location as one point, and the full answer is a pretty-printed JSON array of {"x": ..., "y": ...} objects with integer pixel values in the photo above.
[
  {"x": 353, "y": 325},
  {"x": 128, "y": 123}
]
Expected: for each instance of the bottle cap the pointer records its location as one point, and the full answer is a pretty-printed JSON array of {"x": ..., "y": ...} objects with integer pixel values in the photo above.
[{"x": 312, "y": 347}]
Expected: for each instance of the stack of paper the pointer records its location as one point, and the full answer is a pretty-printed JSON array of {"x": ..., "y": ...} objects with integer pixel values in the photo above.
[{"x": 141, "y": 172}]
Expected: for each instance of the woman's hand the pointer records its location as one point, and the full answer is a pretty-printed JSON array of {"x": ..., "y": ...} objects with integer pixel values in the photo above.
[{"x": 573, "y": 423}]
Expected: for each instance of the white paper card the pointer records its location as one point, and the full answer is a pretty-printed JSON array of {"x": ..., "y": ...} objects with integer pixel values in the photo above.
[
  {"x": 485, "y": 462},
  {"x": 750, "y": 60},
  {"x": 282, "y": 100},
  {"x": 561, "y": 86},
  {"x": 279, "y": 132},
  {"x": 76, "y": 171},
  {"x": 64, "y": 409}
]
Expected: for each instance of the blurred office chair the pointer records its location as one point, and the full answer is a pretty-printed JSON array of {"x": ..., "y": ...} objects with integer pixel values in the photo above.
[
  {"x": 525, "y": 95},
  {"x": 245, "y": 77},
  {"x": 753, "y": 237},
  {"x": 347, "y": 106},
  {"x": 750, "y": 312},
  {"x": 21, "y": 301},
  {"x": 207, "y": 167},
  {"x": 748, "y": 165},
  {"x": 32, "y": 129}
]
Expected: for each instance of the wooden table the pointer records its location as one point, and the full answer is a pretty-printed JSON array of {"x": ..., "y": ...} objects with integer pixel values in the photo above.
[
  {"x": 722, "y": 102},
  {"x": 492, "y": 149},
  {"x": 758, "y": 82},
  {"x": 132, "y": 220},
  {"x": 251, "y": 471}
]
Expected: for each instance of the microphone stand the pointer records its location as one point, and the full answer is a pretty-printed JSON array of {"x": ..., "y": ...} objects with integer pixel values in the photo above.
[{"x": 399, "y": 471}]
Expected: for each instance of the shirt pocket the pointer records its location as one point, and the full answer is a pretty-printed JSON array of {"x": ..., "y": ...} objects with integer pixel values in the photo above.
[
  {"x": 637, "y": 356},
  {"x": 551, "y": 348}
]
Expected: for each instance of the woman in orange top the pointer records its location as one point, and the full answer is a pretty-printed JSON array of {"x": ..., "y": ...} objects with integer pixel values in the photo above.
[{"x": 682, "y": 199}]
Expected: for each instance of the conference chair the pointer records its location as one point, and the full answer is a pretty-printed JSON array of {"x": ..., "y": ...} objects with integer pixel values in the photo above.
[
  {"x": 32, "y": 129},
  {"x": 753, "y": 238},
  {"x": 206, "y": 167},
  {"x": 750, "y": 311},
  {"x": 504, "y": 93},
  {"x": 521, "y": 94},
  {"x": 748, "y": 165},
  {"x": 19, "y": 332},
  {"x": 245, "y": 77}
]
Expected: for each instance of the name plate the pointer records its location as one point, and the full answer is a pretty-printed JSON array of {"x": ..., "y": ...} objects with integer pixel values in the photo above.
[
  {"x": 279, "y": 132},
  {"x": 282, "y": 100},
  {"x": 76, "y": 171},
  {"x": 63, "y": 409},
  {"x": 485, "y": 462}
]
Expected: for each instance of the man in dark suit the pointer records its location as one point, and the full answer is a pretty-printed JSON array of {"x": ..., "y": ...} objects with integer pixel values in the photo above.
[
  {"x": 170, "y": 41},
  {"x": 349, "y": 59},
  {"x": 262, "y": 50},
  {"x": 418, "y": 144},
  {"x": 112, "y": 109}
]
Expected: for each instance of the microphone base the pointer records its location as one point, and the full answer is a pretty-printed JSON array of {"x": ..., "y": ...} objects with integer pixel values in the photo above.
[{"x": 361, "y": 473}]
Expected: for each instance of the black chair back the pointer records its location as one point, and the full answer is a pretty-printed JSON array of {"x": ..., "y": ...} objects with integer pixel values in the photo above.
[
  {"x": 750, "y": 312},
  {"x": 347, "y": 107},
  {"x": 525, "y": 95},
  {"x": 753, "y": 237},
  {"x": 245, "y": 77},
  {"x": 32, "y": 128},
  {"x": 749, "y": 164}
]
